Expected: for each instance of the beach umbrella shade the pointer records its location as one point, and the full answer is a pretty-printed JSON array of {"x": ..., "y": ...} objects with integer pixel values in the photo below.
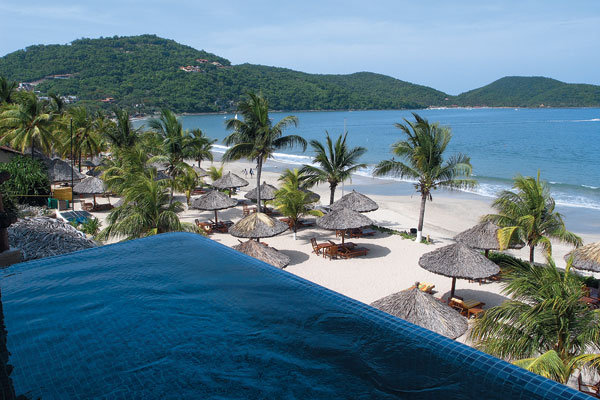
[
  {"x": 89, "y": 163},
  {"x": 60, "y": 171},
  {"x": 258, "y": 225},
  {"x": 355, "y": 201},
  {"x": 342, "y": 219},
  {"x": 483, "y": 236},
  {"x": 586, "y": 257},
  {"x": 90, "y": 185},
  {"x": 420, "y": 308},
  {"x": 263, "y": 253},
  {"x": 213, "y": 201},
  {"x": 230, "y": 181},
  {"x": 267, "y": 192},
  {"x": 161, "y": 176},
  {"x": 311, "y": 196},
  {"x": 94, "y": 172},
  {"x": 458, "y": 261},
  {"x": 200, "y": 171}
]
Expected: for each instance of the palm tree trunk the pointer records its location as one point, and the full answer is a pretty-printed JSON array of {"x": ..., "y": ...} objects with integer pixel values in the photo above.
[
  {"x": 258, "y": 172},
  {"x": 421, "y": 218},
  {"x": 332, "y": 187},
  {"x": 171, "y": 194},
  {"x": 531, "y": 253}
]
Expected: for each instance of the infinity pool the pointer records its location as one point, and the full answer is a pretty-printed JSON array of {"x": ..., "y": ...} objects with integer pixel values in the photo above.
[{"x": 178, "y": 316}]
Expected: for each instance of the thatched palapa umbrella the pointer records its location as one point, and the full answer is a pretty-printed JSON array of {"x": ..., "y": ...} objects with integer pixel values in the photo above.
[
  {"x": 458, "y": 261},
  {"x": 213, "y": 201},
  {"x": 420, "y": 308},
  {"x": 161, "y": 176},
  {"x": 342, "y": 219},
  {"x": 263, "y": 253},
  {"x": 355, "y": 201},
  {"x": 267, "y": 192},
  {"x": 200, "y": 171},
  {"x": 61, "y": 171},
  {"x": 258, "y": 225},
  {"x": 230, "y": 181},
  {"x": 586, "y": 257},
  {"x": 312, "y": 197},
  {"x": 483, "y": 236},
  {"x": 90, "y": 185}
]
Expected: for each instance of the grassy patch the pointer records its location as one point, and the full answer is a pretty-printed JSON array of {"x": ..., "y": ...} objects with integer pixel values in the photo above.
[{"x": 402, "y": 234}]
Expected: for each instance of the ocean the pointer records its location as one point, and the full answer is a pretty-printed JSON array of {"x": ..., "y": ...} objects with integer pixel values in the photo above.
[{"x": 563, "y": 144}]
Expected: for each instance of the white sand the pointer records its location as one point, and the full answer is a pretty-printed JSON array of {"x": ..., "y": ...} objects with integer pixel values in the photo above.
[{"x": 392, "y": 262}]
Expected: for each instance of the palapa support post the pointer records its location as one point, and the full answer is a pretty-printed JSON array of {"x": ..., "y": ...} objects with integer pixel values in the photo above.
[
  {"x": 8, "y": 256},
  {"x": 452, "y": 289},
  {"x": 216, "y": 218}
]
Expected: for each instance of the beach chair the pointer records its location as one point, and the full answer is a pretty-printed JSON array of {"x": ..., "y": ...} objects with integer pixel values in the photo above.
[
  {"x": 331, "y": 252},
  {"x": 204, "y": 226},
  {"x": 346, "y": 252},
  {"x": 87, "y": 206},
  {"x": 463, "y": 306},
  {"x": 592, "y": 390},
  {"x": 426, "y": 287},
  {"x": 318, "y": 247}
]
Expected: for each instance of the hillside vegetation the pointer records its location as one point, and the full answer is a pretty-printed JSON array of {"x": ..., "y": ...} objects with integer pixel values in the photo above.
[{"x": 144, "y": 73}]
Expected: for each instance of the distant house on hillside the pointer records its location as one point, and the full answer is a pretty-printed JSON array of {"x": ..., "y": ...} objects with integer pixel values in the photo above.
[
  {"x": 108, "y": 100},
  {"x": 202, "y": 60},
  {"x": 26, "y": 86},
  {"x": 7, "y": 154}
]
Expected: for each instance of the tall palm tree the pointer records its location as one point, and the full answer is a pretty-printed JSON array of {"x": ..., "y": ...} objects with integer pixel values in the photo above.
[
  {"x": 215, "y": 173},
  {"x": 7, "y": 90},
  {"x": 545, "y": 327},
  {"x": 336, "y": 163},
  {"x": 187, "y": 182},
  {"x": 200, "y": 146},
  {"x": 294, "y": 178},
  {"x": 122, "y": 134},
  {"x": 422, "y": 158},
  {"x": 27, "y": 124},
  {"x": 147, "y": 210},
  {"x": 256, "y": 138},
  {"x": 86, "y": 140},
  {"x": 175, "y": 144},
  {"x": 527, "y": 214}
]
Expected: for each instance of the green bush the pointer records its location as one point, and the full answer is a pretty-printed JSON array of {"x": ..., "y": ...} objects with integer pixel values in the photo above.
[
  {"x": 91, "y": 226},
  {"x": 28, "y": 183}
]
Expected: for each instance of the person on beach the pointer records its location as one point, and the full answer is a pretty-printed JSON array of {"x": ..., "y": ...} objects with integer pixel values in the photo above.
[
  {"x": 245, "y": 171},
  {"x": 251, "y": 173}
]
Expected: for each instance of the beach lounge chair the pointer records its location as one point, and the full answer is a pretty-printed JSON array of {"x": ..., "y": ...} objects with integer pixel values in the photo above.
[
  {"x": 426, "y": 287},
  {"x": 331, "y": 252},
  {"x": 205, "y": 226},
  {"x": 357, "y": 233},
  {"x": 463, "y": 306},
  {"x": 318, "y": 247},
  {"x": 345, "y": 252},
  {"x": 87, "y": 206}
]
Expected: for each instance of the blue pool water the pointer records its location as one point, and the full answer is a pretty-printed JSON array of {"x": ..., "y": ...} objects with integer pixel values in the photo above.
[{"x": 179, "y": 316}]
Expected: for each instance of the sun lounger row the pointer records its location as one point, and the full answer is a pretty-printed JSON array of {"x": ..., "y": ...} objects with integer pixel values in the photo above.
[{"x": 468, "y": 308}]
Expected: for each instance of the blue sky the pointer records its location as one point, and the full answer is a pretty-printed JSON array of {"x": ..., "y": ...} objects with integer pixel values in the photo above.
[{"x": 452, "y": 46}]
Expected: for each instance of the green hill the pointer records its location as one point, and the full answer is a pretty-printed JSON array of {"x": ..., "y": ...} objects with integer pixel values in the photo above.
[
  {"x": 145, "y": 72},
  {"x": 520, "y": 91}
]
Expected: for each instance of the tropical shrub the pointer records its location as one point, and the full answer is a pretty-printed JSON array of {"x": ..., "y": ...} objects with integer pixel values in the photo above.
[{"x": 28, "y": 183}]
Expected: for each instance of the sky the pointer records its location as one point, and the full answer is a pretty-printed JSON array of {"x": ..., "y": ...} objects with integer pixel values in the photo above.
[{"x": 453, "y": 46}]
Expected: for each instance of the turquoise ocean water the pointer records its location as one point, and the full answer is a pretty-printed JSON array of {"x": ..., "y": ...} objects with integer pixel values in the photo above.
[{"x": 564, "y": 144}]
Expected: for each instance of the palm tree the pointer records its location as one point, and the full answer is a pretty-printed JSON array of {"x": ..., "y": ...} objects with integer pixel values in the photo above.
[
  {"x": 200, "y": 146},
  {"x": 175, "y": 144},
  {"x": 7, "y": 90},
  {"x": 294, "y": 178},
  {"x": 122, "y": 134},
  {"x": 187, "y": 182},
  {"x": 293, "y": 203},
  {"x": 545, "y": 327},
  {"x": 86, "y": 140},
  {"x": 215, "y": 173},
  {"x": 147, "y": 210},
  {"x": 336, "y": 163},
  {"x": 422, "y": 158},
  {"x": 256, "y": 138},
  {"x": 527, "y": 214},
  {"x": 28, "y": 123}
]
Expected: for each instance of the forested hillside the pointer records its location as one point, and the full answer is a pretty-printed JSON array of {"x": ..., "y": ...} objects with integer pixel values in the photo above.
[{"x": 145, "y": 72}]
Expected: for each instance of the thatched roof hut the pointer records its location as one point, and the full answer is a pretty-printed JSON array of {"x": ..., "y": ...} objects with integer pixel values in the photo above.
[
  {"x": 483, "y": 236},
  {"x": 60, "y": 170},
  {"x": 258, "y": 225},
  {"x": 90, "y": 185},
  {"x": 420, "y": 308},
  {"x": 586, "y": 257},
  {"x": 213, "y": 201},
  {"x": 458, "y": 261},
  {"x": 161, "y": 176},
  {"x": 230, "y": 180},
  {"x": 40, "y": 237},
  {"x": 94, "y": 172},
  {"x": 159, "y": 166},
  {"x": 267, "y": 192},
  {"x": 355, "y": 201},
  {"x": 200, "y": 171},
  {"x": 263, "y": 253},
  {"x": 311, "y": 196},
  {"x": 342, "y": 219}
]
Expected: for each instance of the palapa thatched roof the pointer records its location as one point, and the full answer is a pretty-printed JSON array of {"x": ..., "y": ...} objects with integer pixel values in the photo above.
[
  {"x": 420, "y": 308},
  {"x": 159, "y": 166},
  {"x": 267, "y": 192},
  {"x": 94, "y": 172},
  {"x": 343, "y": 218},
  {"x": 458, "y": 261},
  {"x": 40, "y": 237},
  {"x": 161, "y": 176},
  {"x": 586, "y": 257},
  {"x": 90, "y": 185},
  {"x": 60, "y": 170},
  {"x": 230, "y": 180},
  {"x": 213, "y": 200},
  {"x": 355, "y": 201},
  {"x": 200, "y": 171},
  {"x": 311, "y": 196},
  {"x": 263, "y": 253},
  {"x": 483, "y": 236},
  {"x": 89, "y": 163},
  {"x": 258, "y": 225}
]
